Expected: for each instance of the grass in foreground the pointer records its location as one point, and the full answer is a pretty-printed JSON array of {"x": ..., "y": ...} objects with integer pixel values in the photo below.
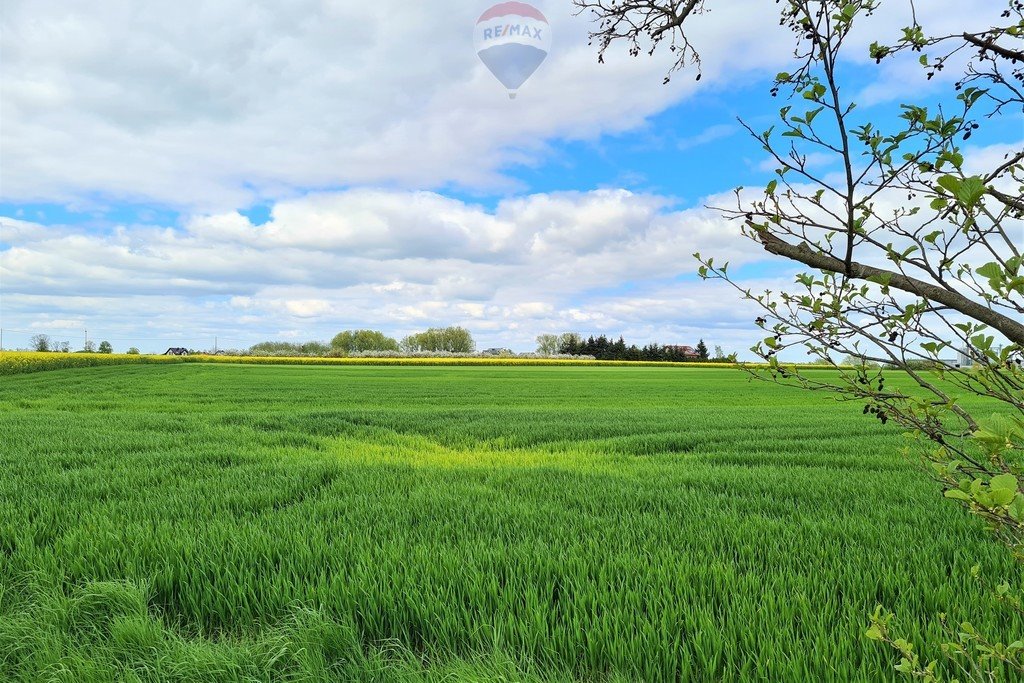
[{"x": 202, "y": 522}]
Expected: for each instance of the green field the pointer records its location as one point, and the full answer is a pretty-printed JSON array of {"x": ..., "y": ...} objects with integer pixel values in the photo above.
[{"x": 217, "y": 522}]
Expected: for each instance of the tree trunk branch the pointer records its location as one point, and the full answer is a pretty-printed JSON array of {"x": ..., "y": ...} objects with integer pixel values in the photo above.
[
  {"x": 1010, "y": 328},
  {"x": 990, "y": 44},
  {"x": 678, "y": 17}
]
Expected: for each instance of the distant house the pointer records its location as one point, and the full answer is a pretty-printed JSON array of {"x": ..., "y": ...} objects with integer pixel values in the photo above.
[
  {"x": 687, "y": 352},
  {"x": 176, "y": 351},
  {"x": 496, "y": 352}
]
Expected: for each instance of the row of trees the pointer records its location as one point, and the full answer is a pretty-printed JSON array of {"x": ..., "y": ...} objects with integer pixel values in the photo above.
[
  {"x": 603, "y": 348},
  {"x": 459, "y": 340},
  {"x": 449, "y": 339},
  {"x": 43, "y": 342},
  {"x": 350, "y": 342},
  {"x": 278, "y": 348},
  {"x": 361, "y": 341}
]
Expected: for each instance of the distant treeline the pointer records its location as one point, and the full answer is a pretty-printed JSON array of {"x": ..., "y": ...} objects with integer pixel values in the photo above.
[
  {"x": 458, "y": 340},
  {"x": 362, "y": 342},
  {"x": 603, "y": 348},
  {"x": 444, "y": 342}
]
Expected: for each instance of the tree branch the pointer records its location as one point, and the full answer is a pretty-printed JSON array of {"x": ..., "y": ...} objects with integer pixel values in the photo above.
[
  {"x": 678, "y": 15},
  {"x": 1011, "y": 329},
  {"x": 991, "y": 45}
]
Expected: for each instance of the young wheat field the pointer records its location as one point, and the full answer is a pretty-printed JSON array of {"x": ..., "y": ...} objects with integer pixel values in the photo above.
[{"x": 192, "y": 522}]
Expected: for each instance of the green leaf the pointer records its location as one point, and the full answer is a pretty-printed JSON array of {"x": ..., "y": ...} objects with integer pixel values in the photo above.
[
  {"x": 1004, "y": 481},
  {"x": 957, "y": 494},
  {"x": 991, "y": 270},
  {"x": 881, "y": 279},
  {"x": 1002, "y": 496},
  {"x": 983, "y": 342},
  {"x": 968, "y": 191},
  {"x": 971, "y": 191},
  {"x": 771, "y": 187},
  {"x": 873, "y": 633},
  {"x": 950, "y": 183}
]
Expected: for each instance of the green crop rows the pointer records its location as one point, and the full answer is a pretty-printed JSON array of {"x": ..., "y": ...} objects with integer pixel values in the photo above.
[{"x": 219, "y": 522}]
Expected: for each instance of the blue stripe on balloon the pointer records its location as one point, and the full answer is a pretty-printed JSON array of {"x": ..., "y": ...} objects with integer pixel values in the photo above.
[{"x": 512, "y": 63}]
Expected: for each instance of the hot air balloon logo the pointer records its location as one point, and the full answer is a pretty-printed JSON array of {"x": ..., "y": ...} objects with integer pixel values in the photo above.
[{"x": 512, "y": 39}]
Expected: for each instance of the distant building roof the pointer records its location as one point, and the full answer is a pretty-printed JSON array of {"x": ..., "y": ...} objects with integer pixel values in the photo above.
[{"x": 683, "y": 349}]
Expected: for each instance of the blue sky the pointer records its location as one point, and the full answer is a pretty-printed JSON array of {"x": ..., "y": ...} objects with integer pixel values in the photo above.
[{"x": 246, "y": 172}]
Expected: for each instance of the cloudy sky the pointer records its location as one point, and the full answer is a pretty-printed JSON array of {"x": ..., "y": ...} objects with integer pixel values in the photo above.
[{"x": 175, "y": 172}]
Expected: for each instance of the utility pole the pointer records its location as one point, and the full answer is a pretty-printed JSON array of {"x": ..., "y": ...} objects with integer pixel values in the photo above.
[
  {"x": 215, "y": 346},
  {"x": 86, "y": 347}
]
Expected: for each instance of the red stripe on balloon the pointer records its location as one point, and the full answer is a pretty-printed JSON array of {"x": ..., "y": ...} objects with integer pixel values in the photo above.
[{"x": 518, "y": 8}]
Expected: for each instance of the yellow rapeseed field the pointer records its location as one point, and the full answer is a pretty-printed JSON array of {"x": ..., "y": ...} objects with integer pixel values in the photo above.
[{"x": 17, "y": 362}]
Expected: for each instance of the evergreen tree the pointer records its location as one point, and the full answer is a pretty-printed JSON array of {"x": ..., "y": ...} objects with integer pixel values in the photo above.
[{"x": 619, "y": 349}]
